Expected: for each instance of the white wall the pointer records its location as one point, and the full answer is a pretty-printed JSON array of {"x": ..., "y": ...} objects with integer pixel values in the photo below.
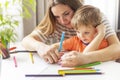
[{"x": 109, "y": 8}]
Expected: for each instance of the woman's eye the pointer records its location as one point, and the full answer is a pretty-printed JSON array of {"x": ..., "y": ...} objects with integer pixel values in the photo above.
[
  {"x": 86, "y": 32},
  {"x": 66, "y": 14}
]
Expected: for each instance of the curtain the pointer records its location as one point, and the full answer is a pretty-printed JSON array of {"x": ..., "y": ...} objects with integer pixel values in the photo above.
[
  {"x": 118, "y": 28},
  {"x": 31, "y": 23},
  {"x": 109, "y": 8}
]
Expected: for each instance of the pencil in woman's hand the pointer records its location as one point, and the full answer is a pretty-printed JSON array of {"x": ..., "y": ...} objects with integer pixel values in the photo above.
[{"x": 61, "y": 41}]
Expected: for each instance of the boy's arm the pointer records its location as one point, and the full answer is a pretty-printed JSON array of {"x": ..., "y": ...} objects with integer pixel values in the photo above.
[{"x": 94, "y": 45}]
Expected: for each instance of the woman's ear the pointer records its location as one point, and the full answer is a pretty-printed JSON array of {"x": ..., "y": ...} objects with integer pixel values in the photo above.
[
  {"x": 118, "y": 60},
  {"x": 96, "y": 30}
]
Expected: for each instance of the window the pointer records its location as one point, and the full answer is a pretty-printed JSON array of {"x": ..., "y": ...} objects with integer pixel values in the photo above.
[{"x": 13, "y": 10}]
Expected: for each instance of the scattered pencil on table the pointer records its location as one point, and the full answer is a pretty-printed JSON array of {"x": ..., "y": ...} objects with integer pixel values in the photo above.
[
  {"x": 93, "y": 73},
  {"x": 12, "y": 48},
  {"x": 31, "y": 58},
  {"x": 79, "y": 71},
  {"x": 67, "y": 72},
  {"x": 15, "y": 61},
  {"x": 88, "y": 65},
  {"x": 22, "y": 51},
  {"x": 62, "y": 75},
  {"x": 43, "y": 75},
  {"x": 82, "y": 70},
  {"x": 61, "y": 41}
]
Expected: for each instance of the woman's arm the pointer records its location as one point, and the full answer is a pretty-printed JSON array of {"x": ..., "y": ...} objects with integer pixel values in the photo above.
[
  {"x": 33, "y": 42},
  {"x": 112, "y": 52}
]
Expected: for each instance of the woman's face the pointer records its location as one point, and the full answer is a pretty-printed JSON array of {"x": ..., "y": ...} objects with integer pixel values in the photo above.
[{"x": 63, "y": 14}]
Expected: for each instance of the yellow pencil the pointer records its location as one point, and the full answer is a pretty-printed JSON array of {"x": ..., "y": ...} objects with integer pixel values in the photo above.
[{"x": 31, "y": 58}]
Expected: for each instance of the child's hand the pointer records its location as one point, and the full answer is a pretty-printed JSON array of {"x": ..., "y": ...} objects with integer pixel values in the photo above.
[
  {"x": 101, "y": 29},
  {"x": 73, "y": 59}
]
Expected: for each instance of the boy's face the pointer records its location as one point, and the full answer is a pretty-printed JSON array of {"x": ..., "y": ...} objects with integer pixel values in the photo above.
[{"x": 86, "y": 33}]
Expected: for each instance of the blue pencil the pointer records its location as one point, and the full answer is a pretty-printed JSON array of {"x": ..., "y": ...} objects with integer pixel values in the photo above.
[{"x": 61, "y": 41}]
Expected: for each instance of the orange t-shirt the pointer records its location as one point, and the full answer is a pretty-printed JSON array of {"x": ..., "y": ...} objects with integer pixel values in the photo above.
[{"x": 74, "y": 43}]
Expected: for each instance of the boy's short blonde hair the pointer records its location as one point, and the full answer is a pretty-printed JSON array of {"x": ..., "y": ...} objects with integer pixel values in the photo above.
[{"x": 86, "y": 15}]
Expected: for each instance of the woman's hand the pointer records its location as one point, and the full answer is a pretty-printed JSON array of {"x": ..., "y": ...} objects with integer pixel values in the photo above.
[
  {"x": 49, "y": 53},
  {"x": 73, "y": 58}
]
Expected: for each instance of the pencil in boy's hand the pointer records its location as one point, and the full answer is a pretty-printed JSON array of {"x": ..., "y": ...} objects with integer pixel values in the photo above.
[{"x": 61, "y": 41}]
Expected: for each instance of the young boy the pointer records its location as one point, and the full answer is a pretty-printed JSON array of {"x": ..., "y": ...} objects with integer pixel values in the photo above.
[{"x": 85, "y": 22}]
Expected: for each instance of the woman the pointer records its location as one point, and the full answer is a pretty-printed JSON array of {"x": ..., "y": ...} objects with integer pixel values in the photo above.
[{"x": 58, "y": 19}]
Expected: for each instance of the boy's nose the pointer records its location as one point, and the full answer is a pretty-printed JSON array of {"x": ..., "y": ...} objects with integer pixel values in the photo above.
[{"x": 82, "y": 35}]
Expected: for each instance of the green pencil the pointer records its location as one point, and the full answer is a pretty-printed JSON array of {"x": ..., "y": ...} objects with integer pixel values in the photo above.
[{"x": 88, "y": 65}]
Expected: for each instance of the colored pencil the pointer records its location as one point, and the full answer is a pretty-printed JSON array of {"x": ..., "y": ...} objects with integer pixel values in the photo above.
[
  {"x": 60, "y": 75},
  {"x": 12, "y": 48},
  {"x": 15, "y": 61},
  {"x": 88, "y": 65},
  {"x": 61, "y": 41},
  {"x": 76, "y": 71},
  {"x": 31, "y": 58},
  {"x": 93, "y": 73},
  {"x": 22, "y": 51},
  {"x": 43, "y": 75}
]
